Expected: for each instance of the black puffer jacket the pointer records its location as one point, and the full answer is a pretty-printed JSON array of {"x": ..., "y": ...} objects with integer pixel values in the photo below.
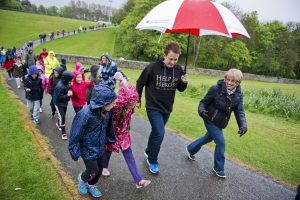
[
  {"x": 220, "y": 104},
  {"x": 36, "y": 88}
]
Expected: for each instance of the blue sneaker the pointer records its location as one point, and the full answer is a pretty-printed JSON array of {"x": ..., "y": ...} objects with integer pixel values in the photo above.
[
  {"x": 191, "y": 157},
  {"x": 153, "y": 167},
  {"x": 220, "y": 174},
  {"x": 94, "y": 191},
  {"x": 82, "y": 186}
]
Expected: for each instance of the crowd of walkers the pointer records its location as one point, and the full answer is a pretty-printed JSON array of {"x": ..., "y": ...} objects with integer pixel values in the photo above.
[{"x": 102, "y": 121}]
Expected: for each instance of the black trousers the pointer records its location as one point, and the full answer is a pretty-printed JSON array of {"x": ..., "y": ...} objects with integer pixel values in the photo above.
[
  {"x": 93, "y": 170},
  {"x": 62, "y": 111}
]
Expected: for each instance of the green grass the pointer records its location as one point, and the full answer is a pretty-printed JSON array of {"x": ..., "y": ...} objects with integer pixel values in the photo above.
[
  {"x": 87, "y": 44},
  {"x": 18, "y": 28},
  {"x": 20, "y": 163},
  {"x": 272, "y": 144}
]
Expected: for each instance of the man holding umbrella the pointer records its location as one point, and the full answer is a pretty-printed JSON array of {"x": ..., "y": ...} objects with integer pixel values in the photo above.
[{"x": 161, "y": 79}]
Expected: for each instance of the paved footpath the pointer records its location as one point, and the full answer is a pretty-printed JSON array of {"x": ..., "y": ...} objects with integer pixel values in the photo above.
[{"x": 179, "y": 179}]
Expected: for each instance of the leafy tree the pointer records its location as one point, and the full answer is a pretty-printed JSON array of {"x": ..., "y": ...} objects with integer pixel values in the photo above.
[{"x": 42, "y": 10}]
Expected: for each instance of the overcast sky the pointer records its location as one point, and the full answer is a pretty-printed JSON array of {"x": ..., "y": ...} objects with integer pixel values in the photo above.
[{"x": 268, "y": 10}]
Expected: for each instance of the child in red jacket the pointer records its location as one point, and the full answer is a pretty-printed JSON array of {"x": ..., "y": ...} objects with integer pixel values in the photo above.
[
  {"x": 9, "y": 66},
  {"x": 78, "y": 87}
]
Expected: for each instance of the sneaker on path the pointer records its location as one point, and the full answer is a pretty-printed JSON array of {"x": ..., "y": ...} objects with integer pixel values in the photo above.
[
  {"x": 153, "y": 167},
  {"x": 41, "y": 110},
  {"x": 220, "y": 174},
  {"x": 105, "y": 172},
  {"x": 142, "y": 184},
  {"x": 64, "y": 136},
  {"x": 36, "y": 121},
  {"x": 94, "y": 191},
  {"x": 82, "y": 186},
  {"x": 190, "y": 156}
]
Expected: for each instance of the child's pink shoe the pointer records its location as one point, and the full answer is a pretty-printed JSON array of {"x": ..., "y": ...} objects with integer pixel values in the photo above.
[
  {"x": 105, "y": 172},
  {"x": 143, "y": 183}
]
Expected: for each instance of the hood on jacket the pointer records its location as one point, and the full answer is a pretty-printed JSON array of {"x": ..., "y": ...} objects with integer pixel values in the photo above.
[
  {"x": 76, "y": 73},
  {"x": 67, "y": 76},
  {"x": 109, "y": 58},
  {"x": 40, "y": 68},
  {"x": 51, "y": 53},
  {"x": 59, "y": 70},
  {"x": 78, "y": 66},
  {"x": 127, "y": 95},
  {"x": 33, "y": 70},
  {"x": 101, "y": 96}
]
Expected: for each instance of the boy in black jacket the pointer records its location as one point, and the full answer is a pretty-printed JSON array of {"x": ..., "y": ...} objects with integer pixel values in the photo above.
[
  {"x": 33, "y": 93},
  {"x": 61, "y": 97}
]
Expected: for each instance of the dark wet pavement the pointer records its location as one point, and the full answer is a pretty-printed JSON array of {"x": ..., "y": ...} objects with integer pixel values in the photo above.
[{"x": 179, "y": 179}]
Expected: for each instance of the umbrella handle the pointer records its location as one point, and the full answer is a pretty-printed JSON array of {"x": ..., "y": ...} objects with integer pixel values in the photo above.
[{"x": 187, "y": 52}]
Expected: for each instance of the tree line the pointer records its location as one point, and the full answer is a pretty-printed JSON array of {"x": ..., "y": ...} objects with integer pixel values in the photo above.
[
  {"x": 75, "y": 9},
  {"x": 272, "y": 50}
]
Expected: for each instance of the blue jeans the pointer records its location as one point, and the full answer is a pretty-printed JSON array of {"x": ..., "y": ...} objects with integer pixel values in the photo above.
[
  {"x": 158, "y": 121},
  {"x": 215, "y": 134}
]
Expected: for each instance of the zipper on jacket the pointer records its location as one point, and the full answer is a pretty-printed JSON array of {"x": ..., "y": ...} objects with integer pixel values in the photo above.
[{"x": 214, "y": 115}]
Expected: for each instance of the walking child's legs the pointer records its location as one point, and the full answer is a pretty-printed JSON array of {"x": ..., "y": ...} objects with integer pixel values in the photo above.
[
  {"x": 61, "y": 111},
  {"x": 10, "y": 73},
  {"x": 36, "y": 110},
  {"x": 30, "y": 107},
  {"x": 53, "y": 109},
  {"x": 157, "y": 121},
  {"x": 129, "y": 158},
  {"x": 18, "y": 82},
  {"x": 93, "y": 170},
  {"x": 106, "y": 158}
]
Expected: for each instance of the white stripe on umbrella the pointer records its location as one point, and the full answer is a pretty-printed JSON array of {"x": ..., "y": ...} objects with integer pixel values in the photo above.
[{"x": 161, "y": 17}]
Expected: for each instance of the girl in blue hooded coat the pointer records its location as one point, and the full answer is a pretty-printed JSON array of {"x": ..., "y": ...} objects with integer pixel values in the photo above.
[{"x": 91, "y": 128}]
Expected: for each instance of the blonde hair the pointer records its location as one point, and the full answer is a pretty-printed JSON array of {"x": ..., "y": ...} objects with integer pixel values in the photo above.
[{"x": 236, "y": 73}]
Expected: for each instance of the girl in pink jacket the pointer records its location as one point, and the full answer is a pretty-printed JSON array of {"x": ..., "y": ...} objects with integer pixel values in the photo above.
[
  {"x": 123, "y": 109},
  {"x": 78, "y": 87}
]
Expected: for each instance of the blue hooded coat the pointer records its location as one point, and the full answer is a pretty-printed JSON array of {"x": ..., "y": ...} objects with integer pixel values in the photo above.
[
  {"x": 108, "y": 72},
  {"x": 89, "y": 132}
]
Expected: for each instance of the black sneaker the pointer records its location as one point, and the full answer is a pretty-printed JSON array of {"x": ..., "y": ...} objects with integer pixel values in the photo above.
[
  {"x": 190, "y": 156},
  {"x": 220, "y": 174}
]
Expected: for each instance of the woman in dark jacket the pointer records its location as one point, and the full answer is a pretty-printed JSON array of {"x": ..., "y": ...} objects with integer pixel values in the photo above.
[
  {"x": 91, "y": 127},
  {"x": 215, "y": 109}
]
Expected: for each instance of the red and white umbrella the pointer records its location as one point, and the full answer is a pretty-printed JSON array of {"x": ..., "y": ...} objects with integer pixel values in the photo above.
[{"x": 196, "y": 17}]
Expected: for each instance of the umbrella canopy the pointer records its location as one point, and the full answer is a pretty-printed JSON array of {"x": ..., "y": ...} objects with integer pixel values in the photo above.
[{"x": 196, "y": 17}]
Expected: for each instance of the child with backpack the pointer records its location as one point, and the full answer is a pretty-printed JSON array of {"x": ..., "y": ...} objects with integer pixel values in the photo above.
[{"x": 91, "y": 127}]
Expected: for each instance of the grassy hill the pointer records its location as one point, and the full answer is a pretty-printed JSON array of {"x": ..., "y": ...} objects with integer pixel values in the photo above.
[
  {"x": 18, "y": 28},
  {"x": 87, "y": 44}
]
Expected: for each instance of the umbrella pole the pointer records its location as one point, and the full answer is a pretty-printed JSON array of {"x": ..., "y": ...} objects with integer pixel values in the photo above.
[{"x": 187, "y": 51}]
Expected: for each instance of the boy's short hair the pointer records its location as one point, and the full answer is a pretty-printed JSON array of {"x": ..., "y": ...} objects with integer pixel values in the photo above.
[
  {"x": 236, "y": 73},
  {"x": 63, "y": 61},
  {"x": 172, "y": 47}
]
